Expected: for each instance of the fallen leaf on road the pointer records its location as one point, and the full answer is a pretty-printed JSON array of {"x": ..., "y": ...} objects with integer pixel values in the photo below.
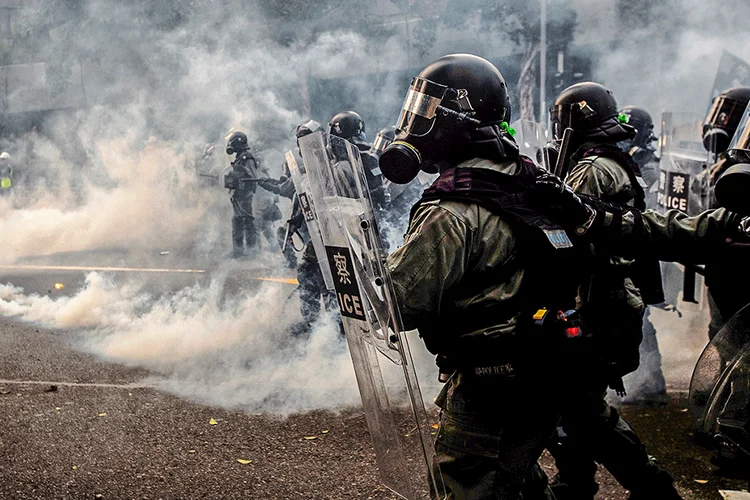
[
  {"x": 310, "y": 438},
  {"x": 3, "y": 392},
  {"x": 243, "y": 461},
  {"x": 75, "y": 467},
  {"x": 701, "y": 481},
  {"x": 435, "y": 426},
  {"x": 212, "y": 421},
  {"x": 103, "y": 414},
  {"x": 684, "y": 410},
  {"x": 324, "y": 432},
  {"x": 58, "y": 408},
  {"x": 191, "y": 451},
  {"x": 52, "y": 388}
]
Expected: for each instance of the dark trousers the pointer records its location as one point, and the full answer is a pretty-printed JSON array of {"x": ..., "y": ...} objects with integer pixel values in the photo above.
[
  {"x": 244, "y": 233},
  {"x": 592, "y": 430},
  {"x": 312, "y": 288},
  {"x": 647, "y": 383},
  {"x": 493, "y": 456}
]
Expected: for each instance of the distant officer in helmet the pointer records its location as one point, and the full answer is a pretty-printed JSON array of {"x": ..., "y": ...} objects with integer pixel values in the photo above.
[
  {"x": 242, "y": 181},
  {"x": 612, "y": 305},
  {"x": 642, "y": 149},
  {"x": 312, "y": 287},
  {"x": 350, "y": 126},
  {"x": 6, "y": 174},
  {"x": 719, "y": 127}
]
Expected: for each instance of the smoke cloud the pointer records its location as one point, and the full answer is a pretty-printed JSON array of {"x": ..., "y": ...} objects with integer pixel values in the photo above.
[{"x": 121, "y": 173}]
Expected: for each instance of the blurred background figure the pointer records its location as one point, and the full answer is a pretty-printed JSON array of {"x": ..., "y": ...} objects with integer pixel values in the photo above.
[
  {"x": 6, "y": 174},
  {"x": 242, "y": 181}
]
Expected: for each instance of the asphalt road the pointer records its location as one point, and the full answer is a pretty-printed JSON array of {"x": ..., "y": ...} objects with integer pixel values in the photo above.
[{"x": 72, "y": 426}]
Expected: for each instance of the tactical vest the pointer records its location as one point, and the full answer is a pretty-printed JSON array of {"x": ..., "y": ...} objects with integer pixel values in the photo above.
[
  {"x": 549, "y": 257},
  {"x": 636, "y": 194},
  {"x": 644, "y": 272}
]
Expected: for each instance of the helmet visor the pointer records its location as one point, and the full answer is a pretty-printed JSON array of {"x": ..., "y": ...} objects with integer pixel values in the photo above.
[
  {"x": 725, "y": 113},
  {"x": 741, "y": 139},
  {"x": 420, "y": 107}
]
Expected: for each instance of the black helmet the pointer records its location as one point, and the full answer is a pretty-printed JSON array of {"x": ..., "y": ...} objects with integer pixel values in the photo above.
[
  {"x": 383, "y": 139},
  {"x": 454, "y": 95},
  {"x": 236, "y": 142},
  {"x": 348, "y": 125},
  {"x": 582, "y": 107},
  {"x": 644, "y": 125},
  {"x": 723, "y": 118},
  {"x": 306, "y": 128}
]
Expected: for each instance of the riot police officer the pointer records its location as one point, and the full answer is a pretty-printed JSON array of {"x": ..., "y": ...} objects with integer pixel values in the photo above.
[
  {"x": 486, "y": 271},
  {"x": 611, "y": 304},
  {"x": 242, "y": 181},
  {"x": 350, "y": 126},
  {"x": 312, "y": 287},
  {"x": 647, "y": 385},
  {"x": 719, "y": 127}
]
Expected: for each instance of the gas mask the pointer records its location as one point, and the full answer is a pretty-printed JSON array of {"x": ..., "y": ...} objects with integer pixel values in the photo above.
[{"x": 424, "y": 128}]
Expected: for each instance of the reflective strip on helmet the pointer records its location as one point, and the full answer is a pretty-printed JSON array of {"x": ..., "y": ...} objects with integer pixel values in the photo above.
[{"x": 421, "y": 104}]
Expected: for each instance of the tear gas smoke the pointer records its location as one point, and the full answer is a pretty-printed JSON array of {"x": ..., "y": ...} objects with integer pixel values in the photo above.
[
  {"x": 235, "y": 352},
  {"x": 121, "y": 172}
]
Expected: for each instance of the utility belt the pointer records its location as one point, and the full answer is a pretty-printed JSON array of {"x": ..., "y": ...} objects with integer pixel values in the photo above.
[{"x": 549, "y": 335}]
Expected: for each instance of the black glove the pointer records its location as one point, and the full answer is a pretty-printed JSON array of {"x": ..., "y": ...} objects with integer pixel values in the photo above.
[{"x": 550, "y": 191}]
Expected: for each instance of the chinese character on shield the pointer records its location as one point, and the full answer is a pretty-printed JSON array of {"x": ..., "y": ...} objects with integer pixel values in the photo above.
[
  {"x": 340, "y": 261},
  {"x": 678, "y": 184}
]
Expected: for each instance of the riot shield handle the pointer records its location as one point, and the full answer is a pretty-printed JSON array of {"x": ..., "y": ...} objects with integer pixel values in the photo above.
[{"x": 562, "y": 157}]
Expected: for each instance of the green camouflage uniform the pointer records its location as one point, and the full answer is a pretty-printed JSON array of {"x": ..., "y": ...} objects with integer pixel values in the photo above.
[
  {"x": 493, "y": 429},
  {"x": 612, "y": 309}
]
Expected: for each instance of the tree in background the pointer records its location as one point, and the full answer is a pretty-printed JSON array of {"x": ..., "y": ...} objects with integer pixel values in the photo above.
[{"x": 519, "y": 22}]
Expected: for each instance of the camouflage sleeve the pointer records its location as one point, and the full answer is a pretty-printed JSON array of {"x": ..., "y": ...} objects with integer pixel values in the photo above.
[
  {"x": 672, "y": 236},
  {"x": 432, "y": 260},
  {"x": 600, "y": 178}
]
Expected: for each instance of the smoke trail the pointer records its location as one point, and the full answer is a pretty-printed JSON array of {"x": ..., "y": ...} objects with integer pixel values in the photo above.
[{"x": 234, "y": 351}]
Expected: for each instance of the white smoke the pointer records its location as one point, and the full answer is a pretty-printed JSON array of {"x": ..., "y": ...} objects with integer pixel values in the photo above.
[{"x": 234, "y": 352}]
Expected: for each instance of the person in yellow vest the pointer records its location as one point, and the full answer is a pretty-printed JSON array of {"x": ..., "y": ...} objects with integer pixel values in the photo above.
[{"x": 6, "y": 173}]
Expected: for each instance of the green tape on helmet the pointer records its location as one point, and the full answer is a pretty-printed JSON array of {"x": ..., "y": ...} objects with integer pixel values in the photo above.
[
  {"x": 623, "y": 118},
  {"x": 507, "y": 128}
]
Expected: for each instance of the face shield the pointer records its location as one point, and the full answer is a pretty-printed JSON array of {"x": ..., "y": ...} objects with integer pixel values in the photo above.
[
  {"x": 739, "y": 147},
  {"x": 420, "y": 107},
  {"x": 721, "y": 121}
]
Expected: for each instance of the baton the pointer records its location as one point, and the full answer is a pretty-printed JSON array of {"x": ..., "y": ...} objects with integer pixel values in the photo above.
[{"x": 562, "y": 160}]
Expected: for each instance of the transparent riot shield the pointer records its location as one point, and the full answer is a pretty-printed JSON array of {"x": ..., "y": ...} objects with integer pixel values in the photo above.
[
  {"x": 719, "y": 388},
  {"x": 532, "y": 138},
  {"x": 683, "y": 159},
  {"x": 395, "y": 413},
  {"x": 301, "y": 182}
]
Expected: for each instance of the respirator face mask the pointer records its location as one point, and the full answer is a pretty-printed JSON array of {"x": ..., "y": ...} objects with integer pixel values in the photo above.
[{"x": 402, "y": 159}]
